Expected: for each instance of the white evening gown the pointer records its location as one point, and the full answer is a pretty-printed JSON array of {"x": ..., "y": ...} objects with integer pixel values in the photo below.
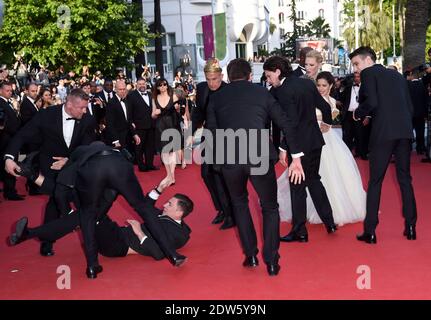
[{"x": 340, "y": 177}]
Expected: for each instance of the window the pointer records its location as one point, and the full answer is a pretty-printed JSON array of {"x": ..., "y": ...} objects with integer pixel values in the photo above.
[
  {"x": 282, "y": 33},
  {"x": 300, "y": 15},
  {"x": 200, "y": 40},
  {"x": 281, "y": 3},
  {"x": 322, "y": 13},
  {"x": 168, "y": 40},
  {"x": 281, "y": 18},
  {"x": 321, "y": 1}
]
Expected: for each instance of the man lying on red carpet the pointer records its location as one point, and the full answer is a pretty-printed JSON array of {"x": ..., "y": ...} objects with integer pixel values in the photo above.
[{"x": 112, "y": 240}]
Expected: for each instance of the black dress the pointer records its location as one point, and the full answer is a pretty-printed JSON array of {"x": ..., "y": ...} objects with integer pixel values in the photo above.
[{"x": 169, "y": 118}]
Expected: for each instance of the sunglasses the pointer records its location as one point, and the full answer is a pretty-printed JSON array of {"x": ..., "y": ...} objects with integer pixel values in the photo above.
[{"x": 163, "y": 85}]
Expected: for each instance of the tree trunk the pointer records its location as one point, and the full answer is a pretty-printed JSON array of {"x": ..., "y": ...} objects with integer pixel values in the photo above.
[
  {"x": 158, "y": 40},
  {"x": 415, "y": 32}
]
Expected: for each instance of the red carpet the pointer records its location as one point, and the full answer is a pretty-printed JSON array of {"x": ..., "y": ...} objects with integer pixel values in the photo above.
[{"x": 324, "y": 268}]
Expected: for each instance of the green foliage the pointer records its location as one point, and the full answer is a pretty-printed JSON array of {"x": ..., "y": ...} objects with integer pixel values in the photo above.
[
  {"x": 317, "y": 28},
  {"x": 375, "y": 26},
  {"x": 100, "y": 34}
]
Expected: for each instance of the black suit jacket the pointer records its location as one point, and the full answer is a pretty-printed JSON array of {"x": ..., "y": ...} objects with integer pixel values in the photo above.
[
  {"x": 117, "y": 126},
  {"x": 178, "y": 235},
  {"x": 298, "y": 72},
  {"x": 299, "y": 99},
  {"x": 98, "y": 111},
  {"x": 419, "y": 96},
  {"x": 27, "y": 110},
  {"x": 140, "y": 111},
  {"x": 12, "y": 119},
  {"x": 199, "y": 113},
  {"x": 384, "y": 95},
  {"x": 47, "y": 127},
  {"x": 345, "y": 97},
  {"x": 243, "y": 105}
]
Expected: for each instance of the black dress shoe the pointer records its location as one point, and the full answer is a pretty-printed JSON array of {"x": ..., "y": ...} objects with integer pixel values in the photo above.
[
  {"x": 292, "y": 237},
  {"x": 46, "y": 249},
  {"x": 410, "y": 232},
  {"x": 228, "y": 223},
  {"x": 218, "y": 218},
  {"x": 152, "y": 168},
  {"x": 367, "y": 237},
  {"x": 177, "y": 260},
  {"x": 250, "y": 262},
  {"x": 93, "y": 271},
  {"x": 273, "y": 269},
  {"x": 143, "y": 169},
  {"x": 14, "y": 197},
  {"x": 20, "y": 232},
  {"x": 331, "y": 229}
]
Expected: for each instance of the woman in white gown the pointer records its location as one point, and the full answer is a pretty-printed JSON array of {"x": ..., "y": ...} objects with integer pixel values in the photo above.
[{"x": 338, "y": 170}]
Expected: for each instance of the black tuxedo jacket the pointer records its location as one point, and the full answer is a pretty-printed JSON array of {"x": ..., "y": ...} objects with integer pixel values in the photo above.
[
  {"x": 27, "y": 110},
  {"x": 12, "y": 119},
  {"x": 178, "y": 235},
  {"x": 47, "y": 127},
  {"x": 12, "y": 123},
  {"x": 199, "y": 114},
  {"x": 345, "y": 97},
  {"x": 419, "y": 96},
  {"x": 298, "y": 72},
  {"x": 98, "y": 111},
  {"x": 299, "y": 99},
  {"x": 244, "y": 105},
  {"x": 384, "y": 95},
  {"x": 140, "y": 110},
  {"x": 117, "y": 126}
]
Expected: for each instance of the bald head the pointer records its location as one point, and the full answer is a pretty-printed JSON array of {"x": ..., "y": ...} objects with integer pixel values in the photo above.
[{"x": 120, "y": 88}]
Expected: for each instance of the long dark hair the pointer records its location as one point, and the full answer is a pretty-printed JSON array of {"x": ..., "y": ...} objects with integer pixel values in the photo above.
[
  {"x": 329, "y": 78},
  {"x": 156, "y": 91}
]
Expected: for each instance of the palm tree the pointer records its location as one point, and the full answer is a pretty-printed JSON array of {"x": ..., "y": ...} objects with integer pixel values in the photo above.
[
  {"x": 376, "y": 26},
  {"x": 317, "y": 28},
  {"x": 417, "y": 13},
  {"x": 158, "y": 40}
]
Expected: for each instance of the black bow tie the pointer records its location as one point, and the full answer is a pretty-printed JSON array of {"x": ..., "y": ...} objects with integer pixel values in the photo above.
[
  {"x": 72, "y": 118},
  {"x": 123, "y": 100},
  {"x": 356, "y": 85},
  {"x": 144, "y": 93}
]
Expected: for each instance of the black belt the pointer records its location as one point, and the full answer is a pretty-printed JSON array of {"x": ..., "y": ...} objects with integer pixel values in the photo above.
[{"x": 107, "y": 152}]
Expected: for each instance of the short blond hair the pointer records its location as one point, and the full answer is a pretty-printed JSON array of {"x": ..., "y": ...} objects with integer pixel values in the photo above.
[
  {"x": 316, "y": 55},
  {"x": 212, "y": 65}
]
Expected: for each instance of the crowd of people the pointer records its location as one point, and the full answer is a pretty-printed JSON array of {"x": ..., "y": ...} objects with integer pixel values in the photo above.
[{"x": 80, "y": 148}]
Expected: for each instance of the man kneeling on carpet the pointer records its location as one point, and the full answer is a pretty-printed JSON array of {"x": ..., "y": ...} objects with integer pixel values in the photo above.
[{"x": 110, "y": 239}]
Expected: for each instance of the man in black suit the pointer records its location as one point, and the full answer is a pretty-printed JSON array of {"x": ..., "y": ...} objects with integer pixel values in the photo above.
[
  {"x": 28, "y": 107},
  {"x": 299, "y": 98},
  {"x": 28, "y": 110},
  {"x": 385, "y": 96},
  {"x": 242, "y": 107},
  {"x": 213, "y": 180},
  {"x": 355, "y": 133},
  {"x": 119, "y": 128},
  {"x": 113, "y": 240},
  {"x": 11, "y": 127},
  {"x": 60, "y": 129},
  {"x": 419, "y": 97},
  {"x": 140, "y": 103},
  {"x": 107, "y": 93},
  {"x": 95, "y": 104}
]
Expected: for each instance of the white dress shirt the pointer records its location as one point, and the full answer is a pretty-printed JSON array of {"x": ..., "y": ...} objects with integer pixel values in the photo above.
[
  {"x": 354, "y": 104},
  {"x": 144, "y": 96},
  {"x": 123, "y": 105},
  {"x": 68, "y": 126}
]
